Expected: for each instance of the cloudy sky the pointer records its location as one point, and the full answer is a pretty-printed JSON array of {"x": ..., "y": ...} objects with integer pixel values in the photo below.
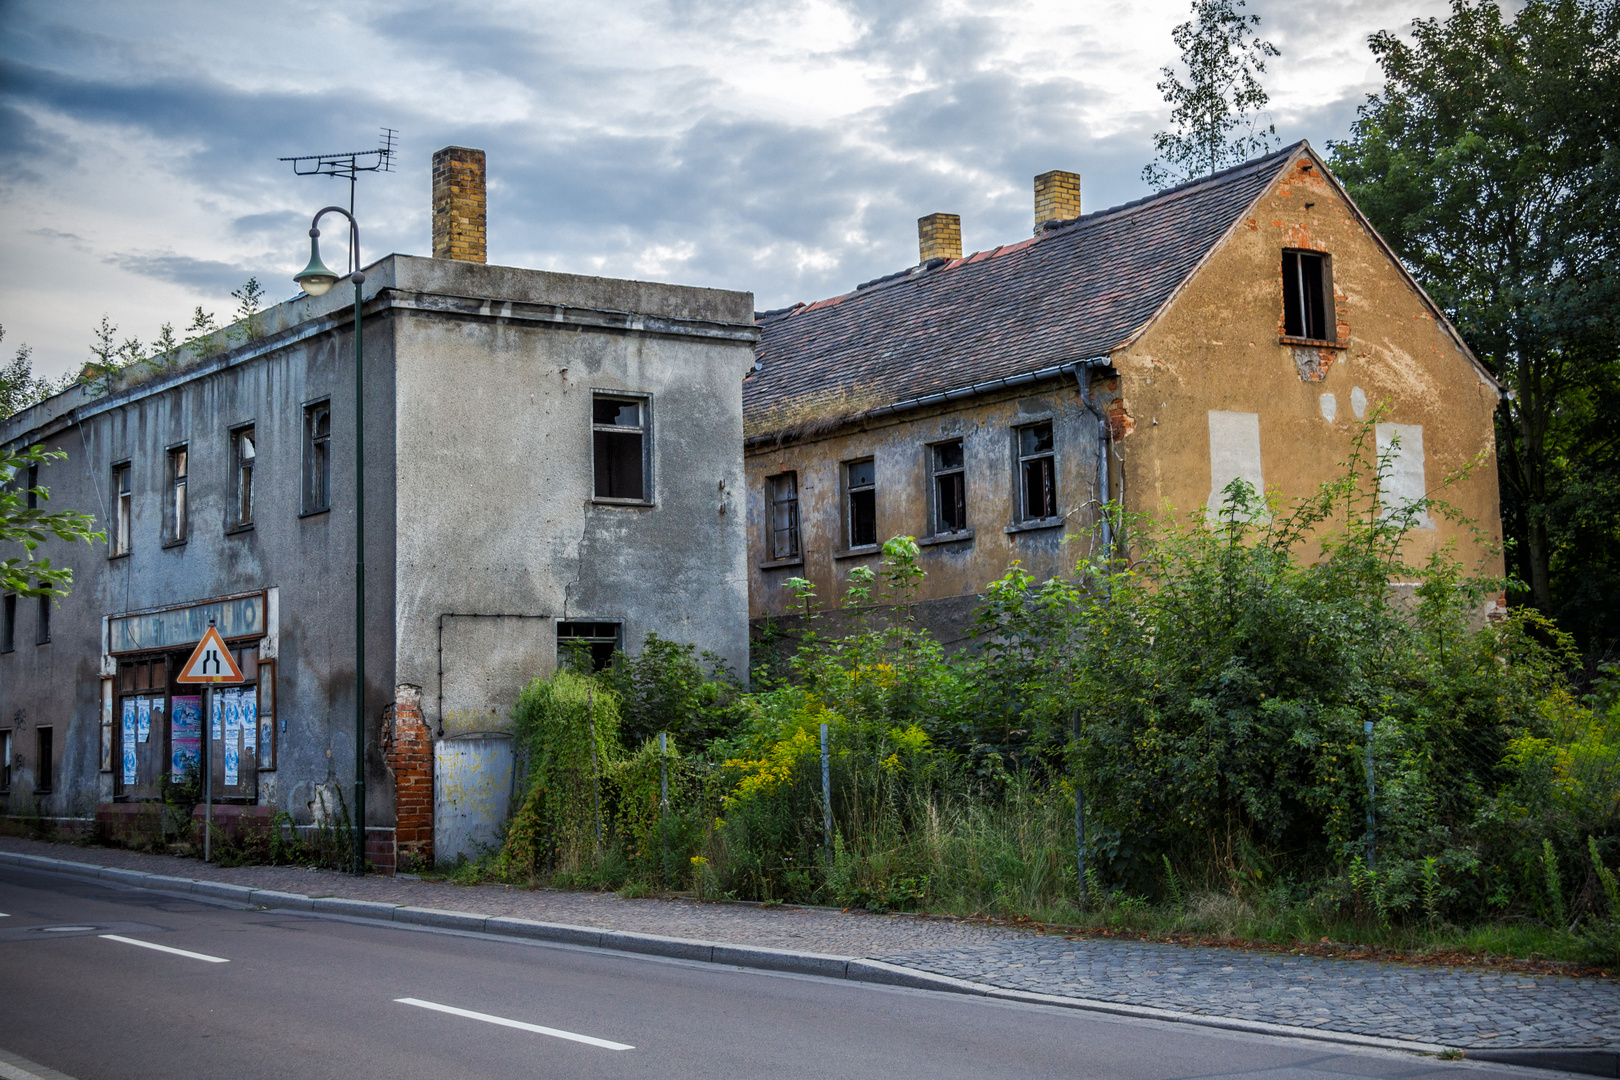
[{"x": 783, "y": 148}]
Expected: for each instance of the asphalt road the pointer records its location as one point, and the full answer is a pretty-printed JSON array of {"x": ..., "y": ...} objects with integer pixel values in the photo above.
[{"x": 217, "y": 992}]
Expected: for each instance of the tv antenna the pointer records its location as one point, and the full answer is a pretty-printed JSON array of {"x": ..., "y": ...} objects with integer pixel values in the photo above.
[{"x": 349, "y": 164}]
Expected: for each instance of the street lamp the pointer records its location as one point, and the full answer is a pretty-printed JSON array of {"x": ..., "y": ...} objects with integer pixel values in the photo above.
[{"x": 317, "y": 280}]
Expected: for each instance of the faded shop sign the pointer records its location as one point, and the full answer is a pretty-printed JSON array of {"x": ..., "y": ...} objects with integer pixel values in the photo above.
[{"x": 242, "y": 617}]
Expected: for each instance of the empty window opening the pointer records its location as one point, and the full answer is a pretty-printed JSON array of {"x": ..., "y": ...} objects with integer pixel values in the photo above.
[
  {"x": 1307, "y": 285},
  {"x": 42, "y": 628},
  {"x": 950, "y": 488},
  {"x": 783, "y": 492},
  {"x": 8, "y": 624},
  {"x": 317, "y": 457},
  {"x": 619, "y": 445},
  {"x": 5, "y": 762},
  {"x": 33, "y": 487},
  {"x": 587, "y": 646},
  {"x": 43, "y": 764},
  {"x": 121, "y": 510},
  {"x": 862, "y": 498},
  {"x": 175, "y": 511},
  {"x": 1037, "y": 473},
  {"x": 243, "y": 453}
]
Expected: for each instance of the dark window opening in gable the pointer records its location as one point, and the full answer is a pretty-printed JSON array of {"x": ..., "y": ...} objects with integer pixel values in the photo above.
[
  {"x": 950, "y": 488},
  {"x": 1037, "y": 473},
  {"x": 619, "y": 447},
  {"x": 859, "y": 477},
  {"x": 783, "y": 491},
  {"x": 1307, "y": 285},
  {"x": 587, "y": 646}
]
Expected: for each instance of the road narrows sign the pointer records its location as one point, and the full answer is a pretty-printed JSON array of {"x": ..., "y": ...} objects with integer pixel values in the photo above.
[{"x": 210, "y": 662}]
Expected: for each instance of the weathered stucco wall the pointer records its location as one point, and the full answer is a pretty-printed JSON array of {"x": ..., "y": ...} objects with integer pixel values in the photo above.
[
  {"x": 496, "y": 509},
  {"x": 958, "y": 567},
  {"x": 1217, "y": 349},
  {"x": 308, "y": 559}
]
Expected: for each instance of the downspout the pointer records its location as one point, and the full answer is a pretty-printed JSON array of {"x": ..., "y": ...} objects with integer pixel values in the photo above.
[{"x": 1104, "y": 449}]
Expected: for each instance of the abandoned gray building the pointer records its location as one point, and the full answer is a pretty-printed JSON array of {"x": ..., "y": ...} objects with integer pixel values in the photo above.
[{"x": 549, "y": 458}]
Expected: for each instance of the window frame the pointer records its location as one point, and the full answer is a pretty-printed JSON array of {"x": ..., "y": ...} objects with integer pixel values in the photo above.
[
  {"x": 1297, "y": 291},
  {"x": 597, "y": 664},
  {"x": 795, "y": 532},
  {"x": 316, "y": 490},
  {"x": 42, "y": 621},
  {"x": 121, "y": 543},
  {"x": 644, "y": 431},
  {"x": 1021, "y": 462},
  {"x": 32, "y": 490},
  {"x": 851, "y": 490},
  {"x": 45, "y": 758},
  {"x": 242, "y": 476},
  {"x": 936, "y": 474},
  {"x": 8, "y": 623},
  {"x": 177, "y": 504},
  {"x": 268, "y": 720},
  {"x": 5, "y": 766}
]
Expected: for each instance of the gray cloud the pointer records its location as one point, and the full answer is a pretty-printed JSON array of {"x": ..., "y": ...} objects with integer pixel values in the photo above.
[{"x": 204, "y": 275}]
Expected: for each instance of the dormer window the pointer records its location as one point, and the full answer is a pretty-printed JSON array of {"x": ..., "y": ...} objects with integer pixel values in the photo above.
[{"x": 1307, "y": 291}]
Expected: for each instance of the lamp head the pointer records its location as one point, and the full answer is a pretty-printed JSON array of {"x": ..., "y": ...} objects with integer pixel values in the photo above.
[{"x": 315, "y": 278}]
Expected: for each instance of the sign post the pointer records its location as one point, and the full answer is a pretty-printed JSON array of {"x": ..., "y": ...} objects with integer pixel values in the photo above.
[{"x": 210, "y": 664}]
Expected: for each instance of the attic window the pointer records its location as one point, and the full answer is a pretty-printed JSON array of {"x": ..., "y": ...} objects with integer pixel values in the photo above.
[{"x": 1307, "y": 285}]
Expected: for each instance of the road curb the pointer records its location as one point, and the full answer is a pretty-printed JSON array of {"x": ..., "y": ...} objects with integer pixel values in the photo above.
[{"x": 856, "y": 969}]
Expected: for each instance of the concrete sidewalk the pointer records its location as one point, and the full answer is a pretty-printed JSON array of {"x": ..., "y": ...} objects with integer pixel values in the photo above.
[{"x": 1500, "y": 1015}]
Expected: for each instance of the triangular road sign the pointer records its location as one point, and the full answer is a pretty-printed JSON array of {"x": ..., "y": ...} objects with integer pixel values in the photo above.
[{"x": 211, "y": 662}]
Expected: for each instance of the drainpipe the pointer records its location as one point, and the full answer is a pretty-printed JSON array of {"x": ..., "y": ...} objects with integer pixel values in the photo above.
[{"x": 1104, "y": 447}]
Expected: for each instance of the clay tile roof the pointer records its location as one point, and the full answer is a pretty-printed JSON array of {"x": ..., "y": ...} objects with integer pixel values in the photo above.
[{"x": 1069, "y": 294}]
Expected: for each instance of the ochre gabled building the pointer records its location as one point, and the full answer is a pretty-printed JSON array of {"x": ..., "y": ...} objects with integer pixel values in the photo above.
[{"x": 1242, "y": 325}]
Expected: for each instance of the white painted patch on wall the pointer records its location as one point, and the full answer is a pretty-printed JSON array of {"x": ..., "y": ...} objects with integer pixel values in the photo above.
[
  {"x": 1404, "y": 483},
  {"x": 1358, "y": 402},
  {"x": 1330, "y": 407},
  {"x": 1234, "y": 452}
]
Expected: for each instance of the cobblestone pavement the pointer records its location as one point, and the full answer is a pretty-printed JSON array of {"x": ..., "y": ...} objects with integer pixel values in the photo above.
[
  {"x": 1459, "y": 1007},
  {"x": 1447, "y": 1006}
]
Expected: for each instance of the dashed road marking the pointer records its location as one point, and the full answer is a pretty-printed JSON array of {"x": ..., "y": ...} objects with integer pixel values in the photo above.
[
  {"x": 165, "y": 948},
  {"x": 520, "y": 1025}
]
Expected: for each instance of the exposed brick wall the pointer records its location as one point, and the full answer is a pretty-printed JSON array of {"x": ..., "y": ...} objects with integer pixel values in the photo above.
[
  {"x": 410, "y": 758},
  {"x": 939, "y": 236},
  {"x": 1057, "y": 196},
  {"x": 458, "y": 204}
]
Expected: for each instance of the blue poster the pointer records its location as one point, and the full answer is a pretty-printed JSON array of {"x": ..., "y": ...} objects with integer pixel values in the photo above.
[
  {"x": 129, "y": 740},
  {"x": 231, "y": 712},
  {"x": 232, "y": 763},
  {"x": 214, "y": 728},
  {"x": 247, "y": 702},
  {"x": 185, "y": 735},
  {"x": 143, "y": 718}
]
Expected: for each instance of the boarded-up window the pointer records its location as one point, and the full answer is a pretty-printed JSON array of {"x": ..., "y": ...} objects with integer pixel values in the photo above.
[
  {"x": 1401, "y": 481},
  {"x": 1234, "y": 454}
]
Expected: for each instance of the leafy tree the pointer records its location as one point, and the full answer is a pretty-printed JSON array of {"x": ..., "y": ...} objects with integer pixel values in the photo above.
[
  {"x": 31, "y": 525},
  {"x": 1490, "y": 162},
  {"x": 19, "y": 386},
  {"x": 1222, "y": 96}
]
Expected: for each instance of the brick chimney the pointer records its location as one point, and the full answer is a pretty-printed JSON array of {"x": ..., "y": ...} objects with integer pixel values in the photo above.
[
  {"x": 1057, "y": 197},
  {"x": 939, "y": 236},
  {"x": 458, "y": 204}
]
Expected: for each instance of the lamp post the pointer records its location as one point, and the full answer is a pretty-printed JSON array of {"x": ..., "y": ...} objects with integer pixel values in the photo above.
[{"x": 316, "y": 280}]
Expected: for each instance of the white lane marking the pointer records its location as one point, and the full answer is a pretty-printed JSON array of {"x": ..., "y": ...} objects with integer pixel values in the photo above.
[
  {"x": 165, "y": 948},
  {"x": 520, "y": 1025}
]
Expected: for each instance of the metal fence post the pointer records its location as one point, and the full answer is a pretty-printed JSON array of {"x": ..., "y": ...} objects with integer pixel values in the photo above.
[
  {"x": 1372, "y": 820},
  {"x": 826, "y": 802},
  {"x": 663, "y": 801}
]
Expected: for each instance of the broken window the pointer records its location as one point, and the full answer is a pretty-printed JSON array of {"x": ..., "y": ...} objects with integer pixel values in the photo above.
[
  {"x": 619, "y": 447},
  {"x": 861, "y": 497},
  {"x": 43, "y": 767},
  {"x": 586, "y": 646},
  {"x": 121, "y": 510},
  {"x": 1037, "y": 473},
  {"x": 8, "y": 624},
  {"x": 243, "y": 454},
  {"x": 1307, "y": 286},
  {"x": 783, "y": 492},
  {"x": 174, "y": 512},
  {"x": 950, "y": 488},
  {"x": 317, "y": 457}
]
